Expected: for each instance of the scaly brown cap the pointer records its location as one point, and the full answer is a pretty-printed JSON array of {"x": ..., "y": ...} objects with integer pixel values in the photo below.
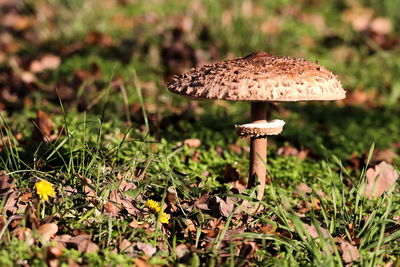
[{"x": 260, "y": 77}]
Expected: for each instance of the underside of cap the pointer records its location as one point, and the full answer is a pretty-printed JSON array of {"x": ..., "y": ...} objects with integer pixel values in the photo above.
[
  {"x": 273, "y": 127},
  {"x": 260, "y": 77}
]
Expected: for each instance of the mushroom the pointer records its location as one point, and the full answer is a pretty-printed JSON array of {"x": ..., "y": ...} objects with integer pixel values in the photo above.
[{"x": 259, "y": 78}]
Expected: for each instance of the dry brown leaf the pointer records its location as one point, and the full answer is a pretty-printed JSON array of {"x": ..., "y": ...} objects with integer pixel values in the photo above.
[
  {"x": 202, "y": 202},
  {"x": 192, "y": 142},
  {"x": 196, "y": 156},
  {"x": 225, "y": 207},
  {"x": 361, "y": 97},
  {"x": 141, "y": 263},
  {"x": 232, "y": 233},
  {"x": 231, "y": 174},
  {"x": 16, "y": 21},
  {"x": 56, "y": 251},
  {"x": 110, "y": 208},
  {"x": 127, "y": 204},
  {"x": 48, "y": 230},
  {"x": 46, "y": 62},
  {"x": 82, "y": 242},
  {"x": 268, "y": 229},
  {"x": 126, "y": 186},
  {"x": 114, "y": 204},
  {"x": 11, "y": 203},
  {"x": 43, "y": 129},
  {"x": 380, "y": 179},
  {"x": 125, "y": 246},
  {"x": 292, "y": 151},
  {"x": 191, "y": 227},
  {"x": 381, "y": 25},
  {"x": 303, "y": 189},
  {"x": 349, "y": 252},
  {"x": 272, "y": 25},
  {"x": 172, "y": 196},
  {"x": 181, "y": 250},
  {"x": 248, "y": 249},
  {"x": 148, "y": 249},
  {"x": 312, "y": 231},
  {"x": 54, "y": 254},
  {"x": 235, "y": 148},
  {"x": 359, "y": 17},
  {"x": 28, "y": 77},
  {"x": 386, "y": 155},
  {"x": 97, "y": 38},
  {"x": 134, "y": 224},
  {"x": 5, "y": 186},
  {"x": 23, "y": 234}
]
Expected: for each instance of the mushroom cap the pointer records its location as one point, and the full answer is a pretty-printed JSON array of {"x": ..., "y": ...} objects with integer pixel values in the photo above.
[
  {"x": 260, "y": 77},
  {"x": 262, "y": 129}
]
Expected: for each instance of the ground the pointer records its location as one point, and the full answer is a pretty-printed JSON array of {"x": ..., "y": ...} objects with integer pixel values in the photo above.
[{"x": 101, "y": 165}]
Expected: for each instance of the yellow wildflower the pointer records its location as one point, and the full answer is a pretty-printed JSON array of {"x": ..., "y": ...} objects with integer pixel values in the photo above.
[
  {"x": 45, "y": 190},
  {"x": 153, "y": 206},
  {"x": 164, "y": 217}
]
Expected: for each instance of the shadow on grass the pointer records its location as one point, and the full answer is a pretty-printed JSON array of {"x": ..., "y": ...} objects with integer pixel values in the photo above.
[{"x": 341, "y": 130}]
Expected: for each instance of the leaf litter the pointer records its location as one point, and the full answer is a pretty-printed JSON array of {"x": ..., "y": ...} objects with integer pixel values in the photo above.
[{"x": 203, "y": 214}]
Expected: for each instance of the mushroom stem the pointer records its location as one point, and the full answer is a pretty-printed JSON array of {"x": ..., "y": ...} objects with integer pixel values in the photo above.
[{"x": 258, "y": 150}]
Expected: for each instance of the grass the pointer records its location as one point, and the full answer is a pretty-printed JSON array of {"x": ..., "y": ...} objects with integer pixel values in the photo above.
[{"x": 119, "y": 140}]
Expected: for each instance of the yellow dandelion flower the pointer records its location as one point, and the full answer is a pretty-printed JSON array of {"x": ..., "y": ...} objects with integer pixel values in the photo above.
[
  {"x": 164, "y": 217},
  {"x": 45, "y": 190},
  {"x": 154, "y": 206}
]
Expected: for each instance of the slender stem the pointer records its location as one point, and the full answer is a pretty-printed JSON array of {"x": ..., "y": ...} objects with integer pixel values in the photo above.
[{"x": 258, "y": 150}]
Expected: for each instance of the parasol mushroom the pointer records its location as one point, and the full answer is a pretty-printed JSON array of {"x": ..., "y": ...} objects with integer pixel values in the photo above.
[{"x": 259, "y": 78}]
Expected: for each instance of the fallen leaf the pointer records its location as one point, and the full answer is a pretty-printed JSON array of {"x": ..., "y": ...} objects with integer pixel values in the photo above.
[
  {"x": 5, "y": 186},
  {"x": 53, "y": 255},
  {"x": 82, "y": 242},
  {"x": 125, "y": 246},
  {"x": 46, "y": 62},
  {"x": 303, "y": 189},
  {"x": 148, "y": 249},
  {"x": 97, "y": 38},
  {"x": 28, "y": 77},
  {"x": 134, "y": 224},
  {"x": 235, "y": 148},
  {"x": 127, "y": 204},
  {"x": 359, "y": 96},
  {"x": 192, "y": 143},
  {"x": 386, "y": 155},
  {"x": 196, "y": 156},
  {"x": 172, "y": 196},
  {"x": 312, "y": 231},
  {"x": 23, "y": 234},
  {"x": 248, "y": 249},
  {"x": 44, "y": 127},
  {"x": 16, "y": 21},
  {"x": 112, "y": 206},
  {"x": 202, "y": 202},
  {"x": 181, "y": 250},
  {"x": 349, "y": 252},
  {"x": 231, "y": 174},
  {"x": 381, "y": 25},
  {"x": 380, "y": 179},
  {"x": 268, "y": 229},
  {"x": 359, "y": 17},
  {"x": 225, "y": 207},
  {"x": 56, "y": 251},
  {"x": 141, "y": 263},
  {"x": 12, "y": 203},
  {"x": 48, "y": 230},
  {"x": 292, "y": 151}
]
